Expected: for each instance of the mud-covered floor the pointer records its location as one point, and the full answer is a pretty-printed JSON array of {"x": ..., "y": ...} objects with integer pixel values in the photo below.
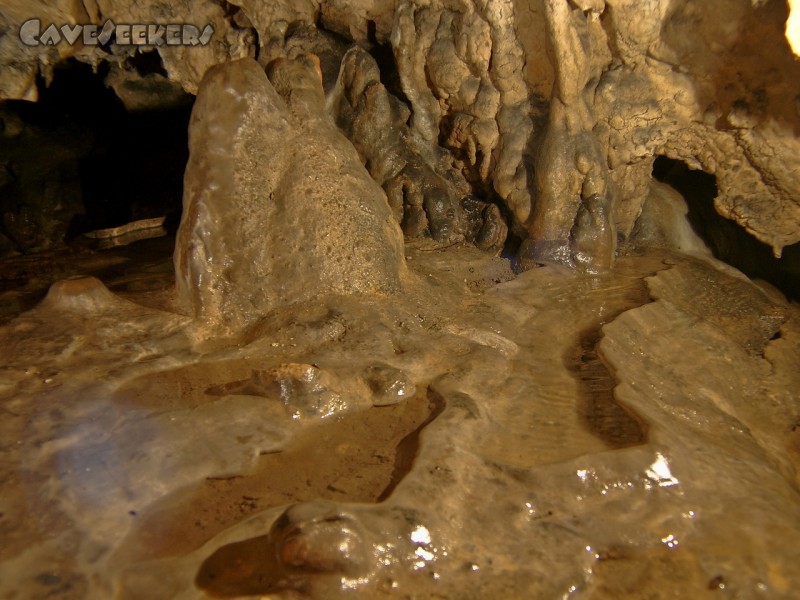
[{"x": 481, "y": 435}]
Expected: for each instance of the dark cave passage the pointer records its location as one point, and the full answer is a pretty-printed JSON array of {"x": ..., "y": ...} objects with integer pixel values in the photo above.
[
  {"x": 727, "y": 240},
  {"x": 79, "y": 160}
]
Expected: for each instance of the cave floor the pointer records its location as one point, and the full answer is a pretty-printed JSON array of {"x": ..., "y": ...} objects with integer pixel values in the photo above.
[{"x": 550, "y": 434}]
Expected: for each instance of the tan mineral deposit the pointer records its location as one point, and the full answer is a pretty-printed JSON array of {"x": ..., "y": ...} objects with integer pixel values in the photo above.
[{"x": 399, "y": 299}]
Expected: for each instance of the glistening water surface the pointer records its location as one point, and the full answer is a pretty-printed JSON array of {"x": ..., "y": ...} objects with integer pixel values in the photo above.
[{"x": 553, "y": 435}]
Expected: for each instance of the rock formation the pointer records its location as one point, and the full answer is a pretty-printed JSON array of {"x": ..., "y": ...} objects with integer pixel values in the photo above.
[
  {"x": 489, "y": 106},
  {"x": 272, "y": 190},
  {"x": 423, "y": 200},
  {"x": 445, "y": 313}
]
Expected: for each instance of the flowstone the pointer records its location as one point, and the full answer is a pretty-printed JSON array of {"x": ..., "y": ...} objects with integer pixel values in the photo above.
[
  {"x": 317, "y": 410},
  {"x": 477, "y": 435}
]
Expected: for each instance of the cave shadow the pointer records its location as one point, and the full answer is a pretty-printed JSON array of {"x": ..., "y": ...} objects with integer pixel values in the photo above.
[
  {"x": 79, "y": 141},
  {"x": 727, "y": 240}
]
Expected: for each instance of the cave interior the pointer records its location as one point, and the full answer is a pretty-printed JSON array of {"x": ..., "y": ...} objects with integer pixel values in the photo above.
[{"x": 401, "y": 299}]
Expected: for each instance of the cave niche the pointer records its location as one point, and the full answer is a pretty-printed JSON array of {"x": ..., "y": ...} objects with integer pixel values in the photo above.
[
  {"x": 79, "y": 160},
  {"x": 727, "y": 240}
]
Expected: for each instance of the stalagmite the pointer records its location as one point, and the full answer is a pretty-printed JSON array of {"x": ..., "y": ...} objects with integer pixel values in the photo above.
[
  {"x": 277, "y": 205},
  {"x": 571, "y": 185}
]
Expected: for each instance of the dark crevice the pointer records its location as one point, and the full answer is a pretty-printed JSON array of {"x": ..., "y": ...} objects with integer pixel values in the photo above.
[
  {"x": 726, "y": 239},
  {"x": 408, "y": 447},
  {"x": 245, "y": 20},
  {"x": 612, "y": 422},
  {"x": 148, "y": 63},
  {"x": 511, "y": 248},
  {"x": 384, "y": 56}
]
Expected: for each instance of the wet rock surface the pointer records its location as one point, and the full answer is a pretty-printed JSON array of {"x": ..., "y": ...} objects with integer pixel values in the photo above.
[
  {"x": 549, "y": 388},
  {"x": 486, "y": 432}
]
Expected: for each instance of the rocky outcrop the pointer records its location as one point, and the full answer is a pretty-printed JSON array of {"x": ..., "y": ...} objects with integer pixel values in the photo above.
[
  {"x": 184, "y": 64},
  {"x": 375, "y": 122},
  {"x": 659, "y": 78},
  {"x": 572, "y": 219},
  {"x": 462, "y": 71}
]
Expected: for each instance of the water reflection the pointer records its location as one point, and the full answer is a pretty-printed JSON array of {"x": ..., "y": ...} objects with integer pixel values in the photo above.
[{"x": 659, "y": 473}]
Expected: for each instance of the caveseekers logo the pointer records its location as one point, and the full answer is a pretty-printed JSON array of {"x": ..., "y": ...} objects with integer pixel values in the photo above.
[{"x": 31, "y": 34}]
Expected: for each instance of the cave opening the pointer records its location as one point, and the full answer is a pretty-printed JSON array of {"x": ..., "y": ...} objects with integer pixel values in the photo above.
[
  {"x": 726, "y": 239},
  {"x": 80, "y": 159}
]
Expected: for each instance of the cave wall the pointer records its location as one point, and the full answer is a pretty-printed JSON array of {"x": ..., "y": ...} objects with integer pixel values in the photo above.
[
  {"x": 554, "y": 107},
  {"x": 713, "y": 84}
]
